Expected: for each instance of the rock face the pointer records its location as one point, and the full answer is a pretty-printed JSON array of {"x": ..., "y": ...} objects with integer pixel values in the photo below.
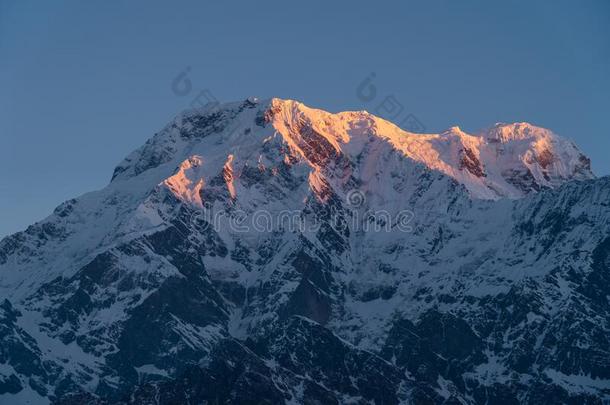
[{"x": 266, "y": 252}]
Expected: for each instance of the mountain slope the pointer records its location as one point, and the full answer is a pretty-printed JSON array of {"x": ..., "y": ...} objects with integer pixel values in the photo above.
[{"x": 265, "y": 251}]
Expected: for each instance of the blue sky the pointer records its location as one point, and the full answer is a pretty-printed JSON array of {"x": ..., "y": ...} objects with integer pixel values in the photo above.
[{"x": 84, "y": 84}]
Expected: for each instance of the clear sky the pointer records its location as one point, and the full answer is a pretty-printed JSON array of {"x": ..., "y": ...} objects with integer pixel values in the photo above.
[{"x": 81, "y": 85}]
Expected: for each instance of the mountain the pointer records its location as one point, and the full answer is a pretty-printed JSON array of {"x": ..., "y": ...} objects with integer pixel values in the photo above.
[{"x": 266, "y": 252}]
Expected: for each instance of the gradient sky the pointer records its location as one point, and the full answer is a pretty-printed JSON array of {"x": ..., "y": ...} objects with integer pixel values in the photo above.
[{"x": 81, "y": 85}]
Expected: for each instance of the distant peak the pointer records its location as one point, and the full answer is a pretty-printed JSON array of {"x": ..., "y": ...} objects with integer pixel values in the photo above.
[
  {"x": 505, "y": 132},
  {"x": 453, "y": 130}
]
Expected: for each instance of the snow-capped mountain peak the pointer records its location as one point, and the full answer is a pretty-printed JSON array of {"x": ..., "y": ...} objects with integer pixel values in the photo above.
[
  {"x": 166, "y": 287},
  {"x": 508, "y": 160}
]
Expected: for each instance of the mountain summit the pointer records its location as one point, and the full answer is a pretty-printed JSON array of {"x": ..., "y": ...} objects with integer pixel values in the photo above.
[
  {"x": 266, "y": 252},
  {"x": 508, "y": 160}
]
